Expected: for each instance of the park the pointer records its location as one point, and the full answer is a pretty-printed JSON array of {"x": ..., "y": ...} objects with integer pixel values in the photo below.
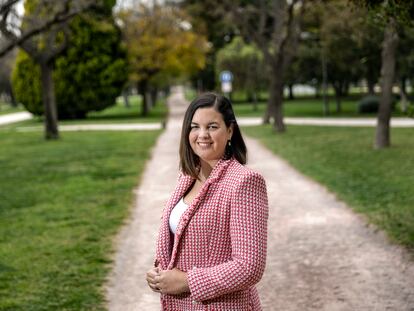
[{"x": 92, "y": 98}]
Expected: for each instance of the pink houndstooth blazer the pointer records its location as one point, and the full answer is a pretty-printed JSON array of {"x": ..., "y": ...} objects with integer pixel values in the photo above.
[{"x": 220, "y": 240}]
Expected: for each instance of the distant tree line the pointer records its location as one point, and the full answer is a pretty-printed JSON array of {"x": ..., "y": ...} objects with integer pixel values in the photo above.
[
  {"x": 319, "y": 43},
  {"x": 78, "y": 56}
]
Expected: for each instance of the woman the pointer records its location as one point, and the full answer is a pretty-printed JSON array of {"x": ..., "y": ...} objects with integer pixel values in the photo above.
[{"x": 211, "y": 248}]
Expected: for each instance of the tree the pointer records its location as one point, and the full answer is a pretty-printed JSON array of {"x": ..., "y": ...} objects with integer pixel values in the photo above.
[
  {"x": 10, "y": 21},
  {"x": 339, "y": 46},
  {"x": 161, "y": 46},
  {"x": 6, "y": 63},
  {"x": 88, "y": 76},
  {"x": 405, "y": 65},
  {"x": 42, "y": 34},
  {"x": 211, "y": 21},
  {"x": 245, "y": 61},
  {"x": 369, "y": 35},
  {"x": 274, "y": 27},
  {"x": 392, "y": 13},
  {"x": 306, "y": 65}
]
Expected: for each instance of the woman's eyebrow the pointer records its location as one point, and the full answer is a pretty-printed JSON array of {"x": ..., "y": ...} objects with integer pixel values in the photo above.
[{"x": 211, "y": 122}]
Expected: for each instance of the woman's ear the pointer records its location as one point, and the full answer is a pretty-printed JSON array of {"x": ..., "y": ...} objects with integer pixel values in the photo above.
[{"x": 230, "y": 131}]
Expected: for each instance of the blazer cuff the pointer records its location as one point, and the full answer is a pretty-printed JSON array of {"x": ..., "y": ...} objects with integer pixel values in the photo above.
[{"x": 194, "y": 276}]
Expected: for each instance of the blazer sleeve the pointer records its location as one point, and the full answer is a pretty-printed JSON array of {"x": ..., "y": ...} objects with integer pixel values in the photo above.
[{"x": 248, "y": 233}]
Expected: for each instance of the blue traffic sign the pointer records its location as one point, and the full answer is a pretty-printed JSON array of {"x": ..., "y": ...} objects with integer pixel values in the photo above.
[{"x": 226, "y": 76}]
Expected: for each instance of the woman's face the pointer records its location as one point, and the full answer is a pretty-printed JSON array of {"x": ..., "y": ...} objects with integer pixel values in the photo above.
[{"x": 209, "y": 135}]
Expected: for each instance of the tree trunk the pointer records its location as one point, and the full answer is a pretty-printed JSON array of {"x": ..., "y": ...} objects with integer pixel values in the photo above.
[
  {"x": 13, "y": 101},
  {"x": 338, "y": 94},
  {"x": 371, "y": 85},
  {"x": 389, "y": 47},
  {"x": 403, "y": 94},
  {"x": 345, "y": 89},
  {"x": 125, "y": 93},
  {"x": 154, "y": 96},
  {"x": 338, "y": 103},
  {"x": 317, "y": 91},
  {"x": 291, "y": 95},
  {"x": 255, "y": 104},
  {"x": 325, "y": 84},
  {"x": 142, "y": 89},
  {"x": 49, "y": 101},
  {"x": 252, "y": 98},
  {"x": 275, "y": 103}
]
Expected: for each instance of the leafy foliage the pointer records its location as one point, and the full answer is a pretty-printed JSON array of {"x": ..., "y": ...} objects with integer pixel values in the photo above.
[
  {"x": 246, "y": 63},
  {"x": 161, "y": 45},
  {"x": 88, "y": 76},
  {"x": 211, "y": 21},
  {"x": 26, "y": 83},
  {"x": 93, "y": 71}
]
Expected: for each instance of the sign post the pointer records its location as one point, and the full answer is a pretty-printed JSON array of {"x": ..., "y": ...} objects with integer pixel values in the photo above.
[{"x": 226, "y": 77}]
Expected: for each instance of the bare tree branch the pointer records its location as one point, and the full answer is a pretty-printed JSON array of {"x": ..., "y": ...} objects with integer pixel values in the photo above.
[
  {"x": 7, "y": 6},
  {"x": 69, "y": 10}
]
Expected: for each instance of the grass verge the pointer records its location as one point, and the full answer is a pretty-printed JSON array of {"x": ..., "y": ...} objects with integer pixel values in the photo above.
[
  {"x": 7, "y": 108},
  {"x": 61, "y": 202},
  {"x": 307, "y": 107},
  {"x": 378, "y": 184},
  {"x": 118, "y": 113}
]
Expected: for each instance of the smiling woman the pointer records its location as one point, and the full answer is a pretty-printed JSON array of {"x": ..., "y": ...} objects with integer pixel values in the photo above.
[
  {"x": 211, "y": 247},
  {"x": 209, "y": 135},
  {"x": 214, "y": 113}
]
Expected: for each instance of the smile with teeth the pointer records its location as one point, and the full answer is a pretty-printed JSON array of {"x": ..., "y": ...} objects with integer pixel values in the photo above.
[{"x": 204, "y": 144}]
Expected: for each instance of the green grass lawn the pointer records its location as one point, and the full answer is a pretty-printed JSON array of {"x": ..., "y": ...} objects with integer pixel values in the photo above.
[
  {"x": 306, "y": 107},
  {"x": 61, "y": 203},
  {"x": 120, "y": 113},
  {"x": 115, "y": 114},
  {"x": 6, "y": 108},
  {"x": 378, "y": 184}
]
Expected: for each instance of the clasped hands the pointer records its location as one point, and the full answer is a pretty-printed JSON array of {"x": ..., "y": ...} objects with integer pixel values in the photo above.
[{"x": 170, "y": 282}]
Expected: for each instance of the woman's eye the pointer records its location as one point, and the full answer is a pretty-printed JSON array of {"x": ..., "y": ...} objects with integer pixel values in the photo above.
[{"x": 213, "y": 127}]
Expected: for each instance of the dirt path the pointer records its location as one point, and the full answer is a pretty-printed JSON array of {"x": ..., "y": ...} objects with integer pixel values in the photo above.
[{"x": 321, "y": 256}]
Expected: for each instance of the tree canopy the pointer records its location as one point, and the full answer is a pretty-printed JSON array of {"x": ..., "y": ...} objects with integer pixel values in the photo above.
[
  {"x": 161, "y": 44},
  {"x": 87, "y": 77}
]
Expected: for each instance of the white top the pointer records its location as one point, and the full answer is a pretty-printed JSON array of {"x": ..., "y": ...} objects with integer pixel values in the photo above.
[{"x": 176, "y": 214}]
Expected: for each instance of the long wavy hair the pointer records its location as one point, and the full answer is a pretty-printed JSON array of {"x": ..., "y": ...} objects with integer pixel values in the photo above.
[{"x": 189, "y": 161}]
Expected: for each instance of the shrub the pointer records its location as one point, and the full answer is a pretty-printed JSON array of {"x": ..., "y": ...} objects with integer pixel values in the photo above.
[
  {"x": 26, "y": 83},
  {"x": 88, "y": 76},
  {"x": 370, "y": 103}
]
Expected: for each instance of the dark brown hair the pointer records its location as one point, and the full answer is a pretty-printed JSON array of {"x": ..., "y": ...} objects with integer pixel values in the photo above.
[{"x": 189, "y": 161}]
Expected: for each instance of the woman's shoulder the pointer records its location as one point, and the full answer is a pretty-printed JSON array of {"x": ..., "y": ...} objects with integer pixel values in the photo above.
[{"x": 240, "y": 172}]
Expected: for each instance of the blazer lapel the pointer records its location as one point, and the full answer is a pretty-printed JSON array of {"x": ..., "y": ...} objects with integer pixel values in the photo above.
[
  {"x": 165, "y": 239},
  {"x": 188, "y": 214}
]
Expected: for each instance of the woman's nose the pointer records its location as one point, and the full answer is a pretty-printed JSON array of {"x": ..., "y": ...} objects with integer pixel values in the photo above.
[{"x": 204, "y": 132}]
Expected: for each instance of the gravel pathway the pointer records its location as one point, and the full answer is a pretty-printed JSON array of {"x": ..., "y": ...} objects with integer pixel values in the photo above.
[{"x": 321, "y": 255}]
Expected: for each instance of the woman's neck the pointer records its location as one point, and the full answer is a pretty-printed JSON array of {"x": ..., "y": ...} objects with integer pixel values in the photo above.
[{"x": 205, "y": 169}]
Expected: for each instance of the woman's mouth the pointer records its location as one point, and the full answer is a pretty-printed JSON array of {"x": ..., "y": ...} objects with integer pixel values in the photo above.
[{"x": 204, "y": 144}]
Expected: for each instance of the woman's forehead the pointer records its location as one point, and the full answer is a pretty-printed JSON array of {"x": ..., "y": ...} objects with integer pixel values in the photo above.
[{"x": 207, "y": 114}]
